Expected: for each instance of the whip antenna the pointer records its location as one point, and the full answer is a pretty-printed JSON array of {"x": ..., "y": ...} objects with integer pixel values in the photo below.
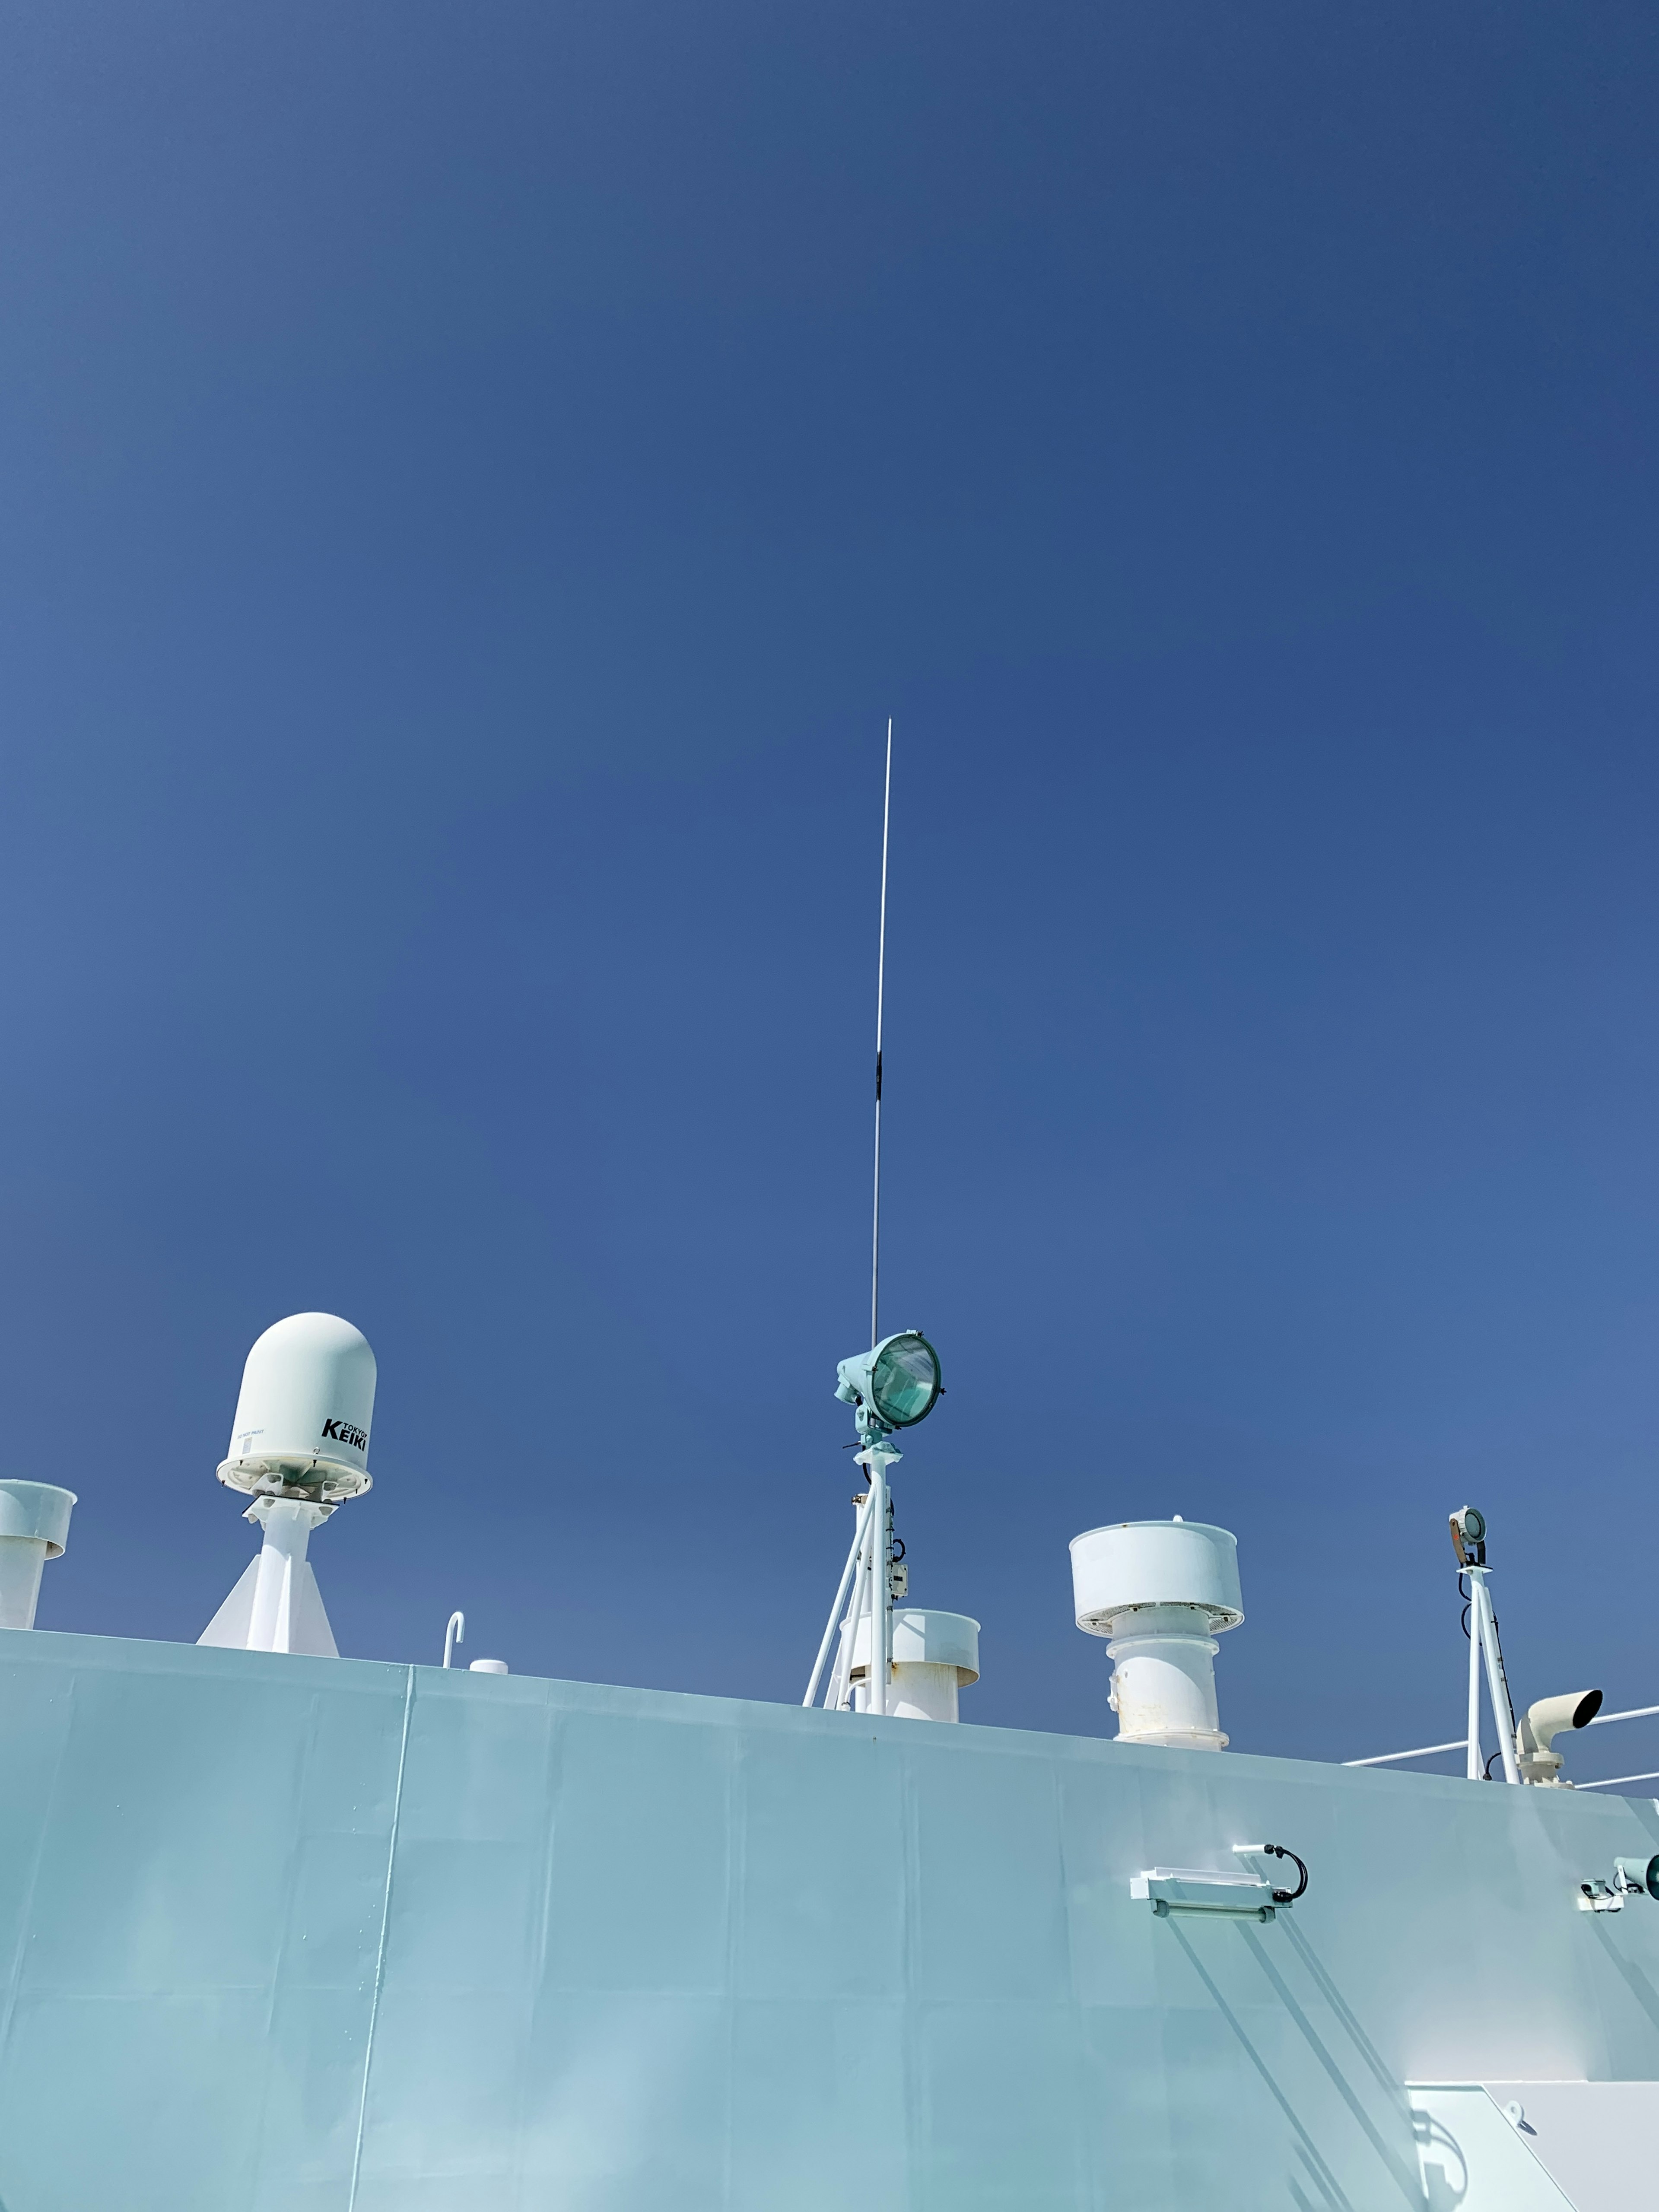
[
  {"x": 894, "y": 1385},
  {"x": 881, "y": 976}
]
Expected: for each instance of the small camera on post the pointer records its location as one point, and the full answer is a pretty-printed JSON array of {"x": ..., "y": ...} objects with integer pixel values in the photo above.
[{"x": 1469, "y": 1536}]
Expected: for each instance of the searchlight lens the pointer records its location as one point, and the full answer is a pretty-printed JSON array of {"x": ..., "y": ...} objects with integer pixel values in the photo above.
[{"x": 905, "y": 1381}]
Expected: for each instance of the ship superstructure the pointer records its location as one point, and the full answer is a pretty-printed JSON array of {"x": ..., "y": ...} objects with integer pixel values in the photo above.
[
  {"x": 281, "y": 1929},
  {"x": 284, "y": 1932}
]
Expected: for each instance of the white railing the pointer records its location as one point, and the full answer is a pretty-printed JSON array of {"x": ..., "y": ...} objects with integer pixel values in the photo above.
[
  {"x": 1388, "y": 1758},
  {"x": 1461, "y": 1743},
  {"x": 1614, "y": 1781}
]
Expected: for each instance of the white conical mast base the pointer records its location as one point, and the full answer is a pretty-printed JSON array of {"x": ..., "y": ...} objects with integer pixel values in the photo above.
[{"x": 276, "y": 1606}]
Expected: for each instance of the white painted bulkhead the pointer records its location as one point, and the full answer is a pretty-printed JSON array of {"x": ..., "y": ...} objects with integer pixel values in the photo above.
[{"x": 552, "y": 1945}]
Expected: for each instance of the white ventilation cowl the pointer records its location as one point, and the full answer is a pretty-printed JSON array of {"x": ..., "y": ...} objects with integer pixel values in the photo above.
[
  {"x": 1161, "y": 1590},
  {"x": 34, "y": 1518}
]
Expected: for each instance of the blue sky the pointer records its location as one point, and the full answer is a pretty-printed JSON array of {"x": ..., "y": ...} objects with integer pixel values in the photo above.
[{"x": 476, "y": 483}]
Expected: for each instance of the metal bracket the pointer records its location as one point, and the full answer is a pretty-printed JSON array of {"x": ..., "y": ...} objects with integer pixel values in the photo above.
[{"x": 1201, "y": 1889}]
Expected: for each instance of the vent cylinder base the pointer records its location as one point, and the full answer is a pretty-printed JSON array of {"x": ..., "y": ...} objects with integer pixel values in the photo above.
[
  {"x": 21, "y": 1560},
  {"x": 34, "y": 1518},
  {"x": 935, "y": 1655},
  {"x": 917, "y": 1693},
  {"x": 1164, "y": 1678}
]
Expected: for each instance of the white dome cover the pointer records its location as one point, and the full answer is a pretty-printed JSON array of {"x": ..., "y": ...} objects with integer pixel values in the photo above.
[{"x": 302, "y": 1419}]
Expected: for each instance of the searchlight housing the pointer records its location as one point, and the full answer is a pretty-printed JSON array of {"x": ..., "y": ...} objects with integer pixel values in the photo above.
[{"x": 894, "y": 1385}]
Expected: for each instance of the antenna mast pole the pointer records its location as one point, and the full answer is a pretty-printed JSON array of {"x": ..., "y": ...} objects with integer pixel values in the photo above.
[{"x": 881, "y": 978}]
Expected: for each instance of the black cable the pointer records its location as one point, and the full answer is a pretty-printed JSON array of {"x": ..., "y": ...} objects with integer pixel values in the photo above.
[
  {"x": 1287, "y": 1896},
  {"x": 1502, "y": 1673}
]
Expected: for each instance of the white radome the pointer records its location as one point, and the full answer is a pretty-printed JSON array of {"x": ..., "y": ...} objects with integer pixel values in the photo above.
[{"x": 303, "y": 1417}]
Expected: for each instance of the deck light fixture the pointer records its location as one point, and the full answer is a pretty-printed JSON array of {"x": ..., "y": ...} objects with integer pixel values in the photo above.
[
  {"x": 894, "y": 1385},
  {"x": 1469, "y": 1536}
]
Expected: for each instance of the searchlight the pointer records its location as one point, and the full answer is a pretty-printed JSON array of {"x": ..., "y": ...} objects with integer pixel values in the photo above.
[{"x": 894, "y": 1385}]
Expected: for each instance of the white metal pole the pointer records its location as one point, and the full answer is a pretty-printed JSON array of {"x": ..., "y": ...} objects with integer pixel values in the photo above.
[
  {"x": 846, "y": 1697},
  {"x": 835, "y": 1696},
  {"x": 843, "y": 1695},
  {"x": 1497, "y": 1688},
  {"x": 885, "y": 1591},
  {"x": 1477, "y": 1767},
  {"x": 454, "y": 1634},
  {"x": 881, "y": 1595},
  {"x": 884, "y": 1568},
  {"x": 837, "y": 1670},
  {"x": 880, "y": 1458},
  {"x": 863, "y": 1607},
  {"x": 285, "y": 1524},
  {"x": 841, "y": 1598}
]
